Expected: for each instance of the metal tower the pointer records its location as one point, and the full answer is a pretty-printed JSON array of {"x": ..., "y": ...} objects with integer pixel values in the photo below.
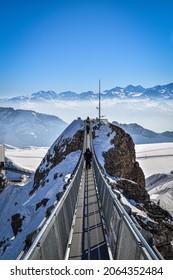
[{"x": 99, "y": 101}]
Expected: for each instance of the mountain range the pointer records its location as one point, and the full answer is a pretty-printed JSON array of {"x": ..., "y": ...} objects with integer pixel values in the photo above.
[
  {"x": 22, "y": 128},
  {"x": 158, "y": 92},
  {"x": 141, "y": 135}
]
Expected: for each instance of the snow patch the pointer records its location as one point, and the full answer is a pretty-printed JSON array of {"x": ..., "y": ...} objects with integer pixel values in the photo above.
[{"x": 102, "y": 141}]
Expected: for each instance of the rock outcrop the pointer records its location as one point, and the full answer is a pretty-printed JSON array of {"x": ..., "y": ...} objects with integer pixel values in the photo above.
[
  {"x": 160, "y": 226},
  {"x": 120, "y": 159},
  {"x": 16, "y": 223},
  {"x": 132, "y": 190},
  {"x": 54, "y": 156}
]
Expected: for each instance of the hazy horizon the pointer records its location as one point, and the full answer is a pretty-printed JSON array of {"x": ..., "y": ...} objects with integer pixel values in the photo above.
[{"x": 153, "y": 115}]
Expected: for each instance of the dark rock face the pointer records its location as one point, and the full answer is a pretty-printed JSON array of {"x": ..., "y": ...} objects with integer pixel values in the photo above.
[
  {"x": 16, "y": 223},
  {"x": 30, "y": 237},
  {"x": 132, "y": 190},
  {"x": 120, "y": 160},
  {"x": 43, "y": 202},
  {"x": 160, "y": 226}
]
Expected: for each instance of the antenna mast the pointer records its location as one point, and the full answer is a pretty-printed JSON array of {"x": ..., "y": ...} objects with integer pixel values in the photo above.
[{"x": 99, "y": 101}]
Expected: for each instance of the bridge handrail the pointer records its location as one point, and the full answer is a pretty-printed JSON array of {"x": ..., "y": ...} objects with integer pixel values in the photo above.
[
  {"x": 121, "y": 212},
  {"x": 71, "y": 192}
]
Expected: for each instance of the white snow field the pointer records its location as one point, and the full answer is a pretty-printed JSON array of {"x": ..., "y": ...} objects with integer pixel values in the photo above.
[
  {"x": 28, "y": 158},
  {"x": 156, "y": 161},
  {"x": 155, "y": 158}
]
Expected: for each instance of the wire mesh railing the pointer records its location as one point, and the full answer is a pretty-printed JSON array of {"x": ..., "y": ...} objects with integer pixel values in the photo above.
[{"x": 126, "y": 241}]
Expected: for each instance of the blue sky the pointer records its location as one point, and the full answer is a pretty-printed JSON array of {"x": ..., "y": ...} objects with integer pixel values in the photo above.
[{"x": 69, "y": 45}]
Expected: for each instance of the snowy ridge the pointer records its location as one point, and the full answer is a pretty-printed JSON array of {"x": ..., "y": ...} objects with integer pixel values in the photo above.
[
  {"x": 22, "y": 128},
  {"x": 102, "y": 142},
  {"x": 16, "y": 200}
]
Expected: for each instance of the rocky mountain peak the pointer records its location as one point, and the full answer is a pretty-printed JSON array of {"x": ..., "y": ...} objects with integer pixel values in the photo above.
[
  {"x": 63, "y": 146},
  {"x": 132, "y": 88},
  {"x": 120, "y": 158}
]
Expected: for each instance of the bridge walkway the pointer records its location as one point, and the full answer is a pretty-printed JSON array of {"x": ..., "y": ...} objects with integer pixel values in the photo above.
[{"x": 88, "y": 239}]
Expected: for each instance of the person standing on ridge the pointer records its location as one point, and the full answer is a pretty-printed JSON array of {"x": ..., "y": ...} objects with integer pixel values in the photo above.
[
  {"x": 88, "y": 158},
  {"x": 87, "y": 128}
]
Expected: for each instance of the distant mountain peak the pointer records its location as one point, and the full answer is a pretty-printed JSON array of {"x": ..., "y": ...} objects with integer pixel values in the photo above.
[
  {"x": 44, "y": 94},
  {"x": 132, "y": 88},
  {"x": 158, "y": 92},
  {"x": 29, "y": 128},
  {"x": 141, "y": 135}
]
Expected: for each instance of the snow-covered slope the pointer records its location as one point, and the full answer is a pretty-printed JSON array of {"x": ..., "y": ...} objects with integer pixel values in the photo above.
[
  {"x": 22, "y": 128},
  {"x": 29, "y": 157},
  {"x": 155, "y": 158},
  {"x": 22, "y": 209},
  {"x": 160, "y": 189},
  {"x": 156, "y": 161},
  {"x": 141, "y": 135}
]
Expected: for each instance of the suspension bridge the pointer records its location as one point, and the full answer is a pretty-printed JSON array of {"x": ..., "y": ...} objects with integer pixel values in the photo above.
[{"x": 89, "y": 222}]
